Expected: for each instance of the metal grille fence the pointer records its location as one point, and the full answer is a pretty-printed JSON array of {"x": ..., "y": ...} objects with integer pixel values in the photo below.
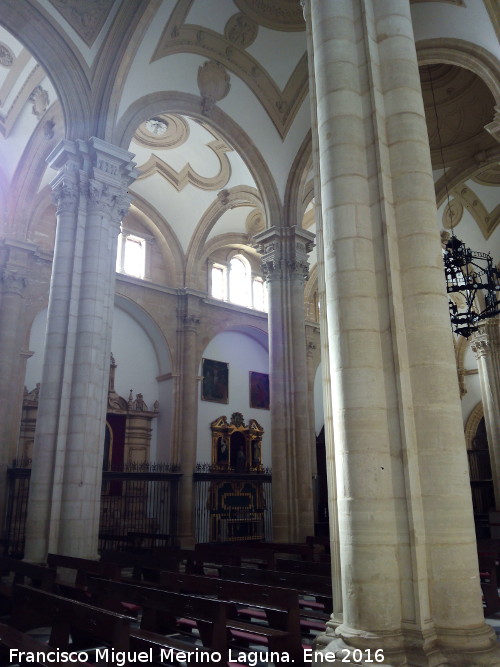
[
  {"x": 213, "y": 523},
  {"x": 139, "y": 507}
]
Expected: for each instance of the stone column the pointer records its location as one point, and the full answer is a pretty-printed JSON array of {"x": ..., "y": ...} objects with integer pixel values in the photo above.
[
  {"x": 91, "y": 195},
  {"x": 14, "y": 270},
  {"x": 407, "y": 543},
  {"x": 486, "y": 347},
  {"x": 323, "y": 323},
  {"x": 188, "y": 407},
  {"x": 284, "y": 264}
]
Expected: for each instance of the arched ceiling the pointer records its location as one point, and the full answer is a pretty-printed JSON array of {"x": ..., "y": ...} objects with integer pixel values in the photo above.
[{"x": 212, "y": 98}]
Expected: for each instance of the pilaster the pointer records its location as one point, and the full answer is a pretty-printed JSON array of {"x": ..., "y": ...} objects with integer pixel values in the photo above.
[
  {"x": 90, "y": 191},
  {"x": 284, "y": 253},
  {"x": 189, "y": 320}
]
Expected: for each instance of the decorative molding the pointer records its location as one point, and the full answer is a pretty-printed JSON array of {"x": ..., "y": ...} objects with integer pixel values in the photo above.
[
  {"x": 6, "y": 56},
  {"x": 86, "y": 18},
  {"x": 283, "y": 15},
  {"x": 187, "y": 175},
  {"x": 284, "y": 251},
  {"x": 487, "y": 221},
  {"x": 40, "y": 100},
  {"x": 494, "y": 14},
  {"x": 281, "y": 105},
  {"x": 472, "y": 424},
  {"x": 452, "y": 214},
  {"x": 213, "y": 84},
  {"x": 164, "y": 131},
  {"x": 241, "y": 31},
  {"x": 494, "y": 127},
  {"x": 489, "y": 176}
]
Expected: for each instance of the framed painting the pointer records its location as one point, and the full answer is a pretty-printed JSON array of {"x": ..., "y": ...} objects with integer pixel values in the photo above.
[
  {"x": 215, "y": 381},
  {"x": 259, "y": 390}
]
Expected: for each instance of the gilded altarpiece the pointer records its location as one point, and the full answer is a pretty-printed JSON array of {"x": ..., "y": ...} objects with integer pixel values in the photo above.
[{"x": 236, "y": 499}]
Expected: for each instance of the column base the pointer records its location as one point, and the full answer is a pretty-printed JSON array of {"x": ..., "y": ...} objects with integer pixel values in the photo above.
[{"x": 474, "y": 647}]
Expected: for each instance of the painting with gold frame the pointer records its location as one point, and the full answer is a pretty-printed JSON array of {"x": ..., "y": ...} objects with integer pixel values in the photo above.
[
  {"x": 215, "y": 381},
  {"x": 259, "y": 390}
]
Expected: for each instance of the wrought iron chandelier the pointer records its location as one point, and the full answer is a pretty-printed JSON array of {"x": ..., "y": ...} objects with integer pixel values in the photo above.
[{"x": 472, "y": 280}]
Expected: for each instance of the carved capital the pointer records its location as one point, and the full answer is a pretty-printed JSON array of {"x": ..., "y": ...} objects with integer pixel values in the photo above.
[
  {"x": 284, "y": 252},
  {"x": 190, "y": 323},
  {"x": 107, "y": 200},
  {"x": 12, "y": 282},
  {"x": 66, "y": 196},
  {"x": 480, "y": 345}
]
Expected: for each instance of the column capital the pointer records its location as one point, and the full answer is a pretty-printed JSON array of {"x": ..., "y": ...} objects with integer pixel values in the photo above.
[
  {"x": 12, "y": 281},
  {"x": 284, "y": 251},
  {"x": 96, "y": 170}
]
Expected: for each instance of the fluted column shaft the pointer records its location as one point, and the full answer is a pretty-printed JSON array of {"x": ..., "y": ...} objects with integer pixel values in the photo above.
[
  {"x": 91, "y": 197},
  {"x": 486, "y": 347},
  {"x": 408, "y": 555},
  {"x": 284, "y": 264},
  {"x": 189, "y": 391}
]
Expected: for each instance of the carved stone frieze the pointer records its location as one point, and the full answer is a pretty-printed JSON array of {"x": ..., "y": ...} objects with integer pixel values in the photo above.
[
  {"x": 6, "y": 56},
  {"x": 86, "y": 18},
  {"x": 213, "y": 84}
]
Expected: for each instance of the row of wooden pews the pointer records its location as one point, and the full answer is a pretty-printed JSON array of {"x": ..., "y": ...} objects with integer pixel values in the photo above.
[{"x": 151, "y": 602}]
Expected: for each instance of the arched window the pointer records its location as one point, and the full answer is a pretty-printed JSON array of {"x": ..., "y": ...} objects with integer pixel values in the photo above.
[
  {"x": 235, "y": 283},
  {"x": 239, "y": 281},
  {"x": 131, "y": 255}
]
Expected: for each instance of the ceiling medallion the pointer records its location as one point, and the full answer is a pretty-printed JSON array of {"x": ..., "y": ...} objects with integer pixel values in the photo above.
[
  {"x": 163, "y": 131},
  {"x": 241, "y": 31},
  {"x": 284, "y": 15}
]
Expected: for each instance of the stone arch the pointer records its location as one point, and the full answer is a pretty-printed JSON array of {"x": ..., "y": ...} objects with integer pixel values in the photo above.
[
  {"x": 464, "y": 54},
  {"x": 477, "y": 413},
  {"x": 191, "y": 105}
]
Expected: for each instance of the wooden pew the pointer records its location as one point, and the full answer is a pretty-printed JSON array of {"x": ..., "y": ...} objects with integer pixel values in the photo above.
[
  {"x": 306, "y": 584},
  {"x": 16, "y": 571},
  {"x": 279, "y": 606},
  {"x": 303, "y": 567},
  {"x": 86, "y": 625},
  {"x": 169, "y": 612},
  {"x": 489, "y": 583},
  {"x": 148, "y": 566},
  {"x": 82, "y": 568},
  {"x": 11, "y": 638}
]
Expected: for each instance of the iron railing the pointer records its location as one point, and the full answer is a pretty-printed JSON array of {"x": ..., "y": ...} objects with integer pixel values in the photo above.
[{"x": 139, "y": 507}]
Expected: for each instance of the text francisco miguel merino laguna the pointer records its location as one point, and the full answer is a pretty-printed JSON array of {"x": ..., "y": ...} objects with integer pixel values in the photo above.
[{"x": 123, "y": 658}]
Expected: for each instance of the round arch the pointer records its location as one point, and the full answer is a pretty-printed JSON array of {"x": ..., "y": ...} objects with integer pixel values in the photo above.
[{"x": 190, "y": 105}]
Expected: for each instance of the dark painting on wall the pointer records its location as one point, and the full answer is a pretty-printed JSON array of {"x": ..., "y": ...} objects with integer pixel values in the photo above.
[
  {"x": 259, "y": 390},
  {"x": 215, "y": 384}
]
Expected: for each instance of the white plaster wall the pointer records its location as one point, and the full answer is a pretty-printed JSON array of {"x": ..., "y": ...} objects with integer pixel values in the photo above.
[
  {"x": 243, "y": 354},
  {"x": 137, "y": 369}
]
